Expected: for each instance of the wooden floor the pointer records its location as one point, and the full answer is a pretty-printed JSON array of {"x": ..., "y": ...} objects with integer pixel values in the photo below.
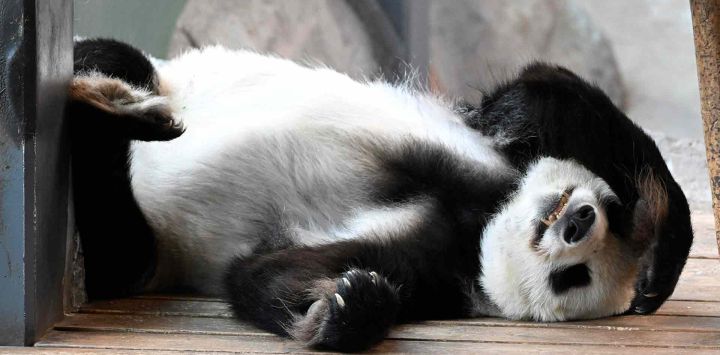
[{"x": 688, "y": 323}]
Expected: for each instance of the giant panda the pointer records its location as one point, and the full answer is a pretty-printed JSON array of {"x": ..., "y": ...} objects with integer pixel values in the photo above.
[{"x": 327, "y": 209}]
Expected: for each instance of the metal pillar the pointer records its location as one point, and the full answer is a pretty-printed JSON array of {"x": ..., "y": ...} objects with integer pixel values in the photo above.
[{"x": 35, "y": 67}]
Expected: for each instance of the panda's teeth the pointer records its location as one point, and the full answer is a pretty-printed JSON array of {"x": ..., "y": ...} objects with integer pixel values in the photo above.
[{"x": 558, "y": 211}]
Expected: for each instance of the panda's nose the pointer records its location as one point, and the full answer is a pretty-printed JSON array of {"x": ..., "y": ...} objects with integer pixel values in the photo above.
[{"x": 579, "y": 224}]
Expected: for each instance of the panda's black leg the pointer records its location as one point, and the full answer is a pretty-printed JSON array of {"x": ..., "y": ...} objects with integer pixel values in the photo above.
[
  {"x": 303, "y": 293},
  {"x": 115, "y": 93},
  {"x": 351, "y": 312},
  {"x": 113, "y": 99},
  {"x": 346, "y": 295},
  {"x": 101, "y": 105}
]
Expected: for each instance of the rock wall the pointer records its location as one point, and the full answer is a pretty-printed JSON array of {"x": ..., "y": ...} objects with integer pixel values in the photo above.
[
  {"x": 478, "y": 43},
  {"x": 473, "y": 44},
  {"x": 320, "y": 31}
]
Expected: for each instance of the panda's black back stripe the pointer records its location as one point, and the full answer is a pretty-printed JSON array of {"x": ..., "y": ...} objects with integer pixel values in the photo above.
[{"x": 414, "y": 169}]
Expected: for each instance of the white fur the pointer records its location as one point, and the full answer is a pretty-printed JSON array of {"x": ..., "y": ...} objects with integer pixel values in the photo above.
[
  {"x": 515, "y": 274},
  {"x": 382, "y": 221}
]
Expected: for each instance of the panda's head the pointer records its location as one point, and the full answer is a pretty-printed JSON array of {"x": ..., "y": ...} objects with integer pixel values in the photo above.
[
  {"x": 550, "y": 255},
  {"x": 598, "y": 229}
]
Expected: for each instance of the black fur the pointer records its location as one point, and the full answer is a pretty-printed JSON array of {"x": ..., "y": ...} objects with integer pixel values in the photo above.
[
  {"x": 359, "y": 313},
  {"x": 118, "y": 245},
  {"x": 417, "y": 168},
  {"x": 564, "y": 279},
  {"x": 114, "y": 59}
]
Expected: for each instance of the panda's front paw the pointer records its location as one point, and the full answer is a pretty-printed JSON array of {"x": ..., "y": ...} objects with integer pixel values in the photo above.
[
  {"x": 655, "y": 286},
  {"x": 353, "y": 316}
]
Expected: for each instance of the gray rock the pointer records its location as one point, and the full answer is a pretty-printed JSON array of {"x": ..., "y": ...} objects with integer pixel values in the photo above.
[
  {"x": 475, "y": 44},
  {"x": 324, "y": 31},
  {"x": 685, "y": 158},
  {"x": 653, "y": 42}
]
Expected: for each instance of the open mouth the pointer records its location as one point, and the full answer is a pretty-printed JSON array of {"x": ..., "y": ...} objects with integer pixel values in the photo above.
[{"x": 559, "y": 209}]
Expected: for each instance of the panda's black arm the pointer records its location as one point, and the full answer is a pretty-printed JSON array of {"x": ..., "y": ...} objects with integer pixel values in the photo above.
[
  {"x": 549, "y": 111},
  {"x": 346, "y": 295}
]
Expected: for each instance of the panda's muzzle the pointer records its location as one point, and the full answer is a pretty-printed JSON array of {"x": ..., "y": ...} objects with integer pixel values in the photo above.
[{"x": 579, "y": 223}]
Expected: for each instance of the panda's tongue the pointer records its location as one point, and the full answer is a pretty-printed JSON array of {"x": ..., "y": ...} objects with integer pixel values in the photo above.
[{"x": 559, "y": 209}]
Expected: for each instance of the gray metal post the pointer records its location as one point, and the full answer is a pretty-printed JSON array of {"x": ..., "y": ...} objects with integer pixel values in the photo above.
[{"x": 35, "y": 67}]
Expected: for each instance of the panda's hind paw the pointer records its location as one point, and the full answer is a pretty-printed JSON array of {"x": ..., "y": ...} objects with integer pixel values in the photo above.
[{"x": 351, "y": 316}]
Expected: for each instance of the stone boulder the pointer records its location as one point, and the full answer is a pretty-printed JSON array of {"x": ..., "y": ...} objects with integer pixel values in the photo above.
[
  {"x": 324, "y": 31},
  {"x": 474, "y": 44}
]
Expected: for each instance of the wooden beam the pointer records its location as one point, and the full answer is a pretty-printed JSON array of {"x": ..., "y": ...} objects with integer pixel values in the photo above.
[
  {"x": 706, "y": 25},
  {"x": 35, "y": 68}
]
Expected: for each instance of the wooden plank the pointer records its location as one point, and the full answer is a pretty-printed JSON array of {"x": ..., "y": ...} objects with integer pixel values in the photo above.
[
  {"x": 163, "y": 307},
  {"x": 158, "y": 324},
  {"x": 223, "y": 326},
  {"x": 690, "y": 308},
  {"x": 706, "y": 26},
  {"x": 175, "y": 342},
  {"x": 177, "y": 297},
  {"x": 401, "y": 347},
  {"x": 570, "y": 336},
  {"x": 425, "y": 347},
  {"x": 72, "y": 351},
  {"x": 170, "y": 306},
  {"x": 704, "y": 245},
  {"x": 247, "y": 344},
  {"x": 645, "y": 323},
  {"x": 700, "y": 281}
]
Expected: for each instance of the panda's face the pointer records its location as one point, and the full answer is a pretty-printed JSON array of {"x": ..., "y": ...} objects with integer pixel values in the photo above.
[{"x": 549, "y": 254}]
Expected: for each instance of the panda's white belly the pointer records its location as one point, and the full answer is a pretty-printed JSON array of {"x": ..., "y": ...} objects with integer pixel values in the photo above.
[{"x": 267, "y": 138}]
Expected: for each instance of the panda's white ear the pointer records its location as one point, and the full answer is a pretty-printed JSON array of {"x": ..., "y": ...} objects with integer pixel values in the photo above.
[{"x": 650, "y": 212}]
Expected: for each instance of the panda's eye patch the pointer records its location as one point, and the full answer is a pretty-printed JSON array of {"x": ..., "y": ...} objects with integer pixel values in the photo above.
[{"x": 565, "y": 278}]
